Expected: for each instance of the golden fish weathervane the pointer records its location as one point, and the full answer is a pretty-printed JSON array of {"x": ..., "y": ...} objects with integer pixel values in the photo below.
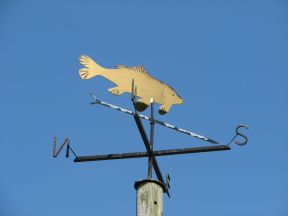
[{"x": 148, "y": 88}]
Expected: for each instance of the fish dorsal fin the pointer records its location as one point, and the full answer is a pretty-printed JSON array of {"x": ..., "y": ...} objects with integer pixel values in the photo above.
[
  {"x": 138, "y": 68},
  {"x": 121, "y": 67}
]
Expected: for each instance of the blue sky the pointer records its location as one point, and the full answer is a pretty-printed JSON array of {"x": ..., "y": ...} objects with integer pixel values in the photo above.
[{"x": 227, "y": 59}]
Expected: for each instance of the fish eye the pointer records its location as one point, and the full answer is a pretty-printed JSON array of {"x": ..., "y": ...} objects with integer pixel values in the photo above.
[{"x": 173, "y": 94}]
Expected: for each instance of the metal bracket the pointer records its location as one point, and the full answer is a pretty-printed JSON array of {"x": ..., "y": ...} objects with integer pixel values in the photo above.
[{"x": 167, "y": 184}]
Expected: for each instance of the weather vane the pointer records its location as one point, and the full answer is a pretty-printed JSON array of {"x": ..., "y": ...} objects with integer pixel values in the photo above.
[{"x": 145, "y": 90}]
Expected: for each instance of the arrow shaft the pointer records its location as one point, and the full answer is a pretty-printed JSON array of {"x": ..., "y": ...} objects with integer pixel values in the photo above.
[{"x": 173, "y": 127}]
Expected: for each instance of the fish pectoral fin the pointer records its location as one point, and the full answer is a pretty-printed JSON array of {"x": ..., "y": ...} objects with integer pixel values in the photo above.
[
  {"x": 164, "y": 109},
  {"x": 115, "y": 91},
  {"x": 141, "y": 105}
]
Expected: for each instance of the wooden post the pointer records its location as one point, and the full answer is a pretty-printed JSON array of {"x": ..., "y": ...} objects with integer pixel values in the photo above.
[{"x": 149, "y": 197}]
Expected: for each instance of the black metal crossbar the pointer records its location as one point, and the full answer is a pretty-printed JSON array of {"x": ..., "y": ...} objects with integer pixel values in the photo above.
[{"x": 154, "y": 153}]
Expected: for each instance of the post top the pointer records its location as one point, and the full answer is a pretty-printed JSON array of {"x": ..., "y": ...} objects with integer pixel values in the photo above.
[{"x": 141, "y": 182}]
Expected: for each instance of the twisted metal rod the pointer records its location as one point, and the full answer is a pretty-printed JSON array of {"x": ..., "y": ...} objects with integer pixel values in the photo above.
[{"x": 173, "y": 127}]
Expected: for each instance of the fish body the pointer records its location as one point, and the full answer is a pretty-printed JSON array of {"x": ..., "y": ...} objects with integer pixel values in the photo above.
[{"x": 147, "y": 87}]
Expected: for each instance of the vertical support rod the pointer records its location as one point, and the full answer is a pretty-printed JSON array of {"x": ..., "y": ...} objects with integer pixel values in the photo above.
[
  {"x": 149, "y": 199},
  {"x": 150, "y": 161},
  {"x": 147, "y": 146}
]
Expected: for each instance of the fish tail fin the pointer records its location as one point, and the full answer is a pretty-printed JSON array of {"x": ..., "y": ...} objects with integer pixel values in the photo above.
[{"x": 91, "y": 68}]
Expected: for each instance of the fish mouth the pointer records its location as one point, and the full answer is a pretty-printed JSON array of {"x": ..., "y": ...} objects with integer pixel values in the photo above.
[{"x": 181, "y": 102}]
